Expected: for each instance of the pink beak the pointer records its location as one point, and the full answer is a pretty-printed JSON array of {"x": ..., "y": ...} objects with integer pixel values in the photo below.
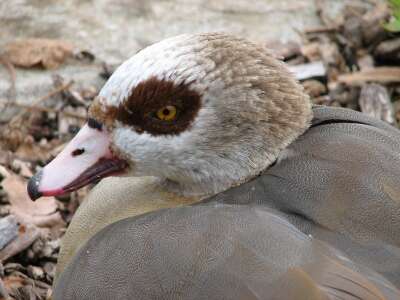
[{"x": 87, "y": 158}]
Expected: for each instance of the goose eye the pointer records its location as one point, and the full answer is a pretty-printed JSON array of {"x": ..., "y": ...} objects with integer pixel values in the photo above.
[{"x": 167, "y": 113}]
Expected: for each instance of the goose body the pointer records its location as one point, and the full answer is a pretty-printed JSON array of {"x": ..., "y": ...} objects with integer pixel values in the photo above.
[
  {"x": 281, "y": 195},
  {"x": 214, "y": 252}
]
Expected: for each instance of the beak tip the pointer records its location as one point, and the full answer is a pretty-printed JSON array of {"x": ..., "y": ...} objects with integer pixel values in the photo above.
[{"x": 33, "y": 187}]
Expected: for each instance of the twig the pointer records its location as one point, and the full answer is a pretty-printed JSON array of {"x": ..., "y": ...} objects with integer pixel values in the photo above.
[
  {"x": 49, "y": 110},
  {"x": 57, "y": 90},
  {"x": 320, "y": 29},
  {"x": 377, "y": 74}
]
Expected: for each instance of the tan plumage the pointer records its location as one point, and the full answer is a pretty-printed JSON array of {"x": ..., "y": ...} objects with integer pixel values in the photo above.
[{"x": 112, "y": 200}]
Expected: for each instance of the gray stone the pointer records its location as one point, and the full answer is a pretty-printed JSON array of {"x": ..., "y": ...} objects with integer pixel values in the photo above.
[{"x": 115, "y": 30}]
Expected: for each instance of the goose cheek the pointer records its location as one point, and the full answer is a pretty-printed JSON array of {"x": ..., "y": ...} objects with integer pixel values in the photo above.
[{"x": 87, "y": 158}]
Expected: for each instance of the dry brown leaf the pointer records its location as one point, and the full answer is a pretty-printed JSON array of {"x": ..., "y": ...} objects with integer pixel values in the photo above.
[
  {"x": 41, "y": 213},
  {"x": 47, "y": 53},
  {"x": 13, "y": 282}
]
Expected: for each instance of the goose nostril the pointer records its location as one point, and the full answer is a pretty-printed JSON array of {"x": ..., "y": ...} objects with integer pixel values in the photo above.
[{"x": 78, "y": 151}]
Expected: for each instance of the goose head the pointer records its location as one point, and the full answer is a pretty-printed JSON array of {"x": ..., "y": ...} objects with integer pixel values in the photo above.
[{"x": 202, "y": 112}]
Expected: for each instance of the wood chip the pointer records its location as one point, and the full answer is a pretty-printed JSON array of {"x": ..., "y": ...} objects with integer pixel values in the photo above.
[
  {"x": 3, "y": 291},
  {"x": 27, "y": 234},
  {"x": 311, "y": 51},
  {"x": 344, "y": 95},
  {"x": 365, "y": 62},
  {"x": 332, "y": 57},
  {"x": 284, "y": 50},
  {"x": 307, "y": 71},
  {"x": 6, "y": 157},
  {"x": 371, "y": 24},
  {"x": 388, "y": 50},
  {"x": 314, "y": 88},
  {"x": 22, "y": 167},
  {"x": 35, "y": 272},
  {"x": 375, "y": 101},
  {"x": 8, "y": 230},
  {"x": 378, "y": 74},
  {"x": 352, "y": 31}
]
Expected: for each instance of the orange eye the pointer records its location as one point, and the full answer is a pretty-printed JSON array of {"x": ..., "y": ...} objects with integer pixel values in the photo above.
[{"x": 167, "y": 113}]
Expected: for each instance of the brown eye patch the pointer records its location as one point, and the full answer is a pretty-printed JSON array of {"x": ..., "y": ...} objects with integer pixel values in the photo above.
[{"x": 140, "y": 109}]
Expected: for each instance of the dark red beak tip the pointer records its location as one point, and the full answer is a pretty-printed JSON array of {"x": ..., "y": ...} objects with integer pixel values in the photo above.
[{"x": 33, "y": 186}]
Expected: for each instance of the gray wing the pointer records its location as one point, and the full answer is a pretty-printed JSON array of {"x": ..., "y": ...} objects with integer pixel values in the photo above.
[
  {"x": 213, "y": 252},
  {"x": 340, "y": 182}
]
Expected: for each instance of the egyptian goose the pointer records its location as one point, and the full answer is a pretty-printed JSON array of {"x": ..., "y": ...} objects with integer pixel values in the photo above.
[{"x": 216, "y": 121}]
